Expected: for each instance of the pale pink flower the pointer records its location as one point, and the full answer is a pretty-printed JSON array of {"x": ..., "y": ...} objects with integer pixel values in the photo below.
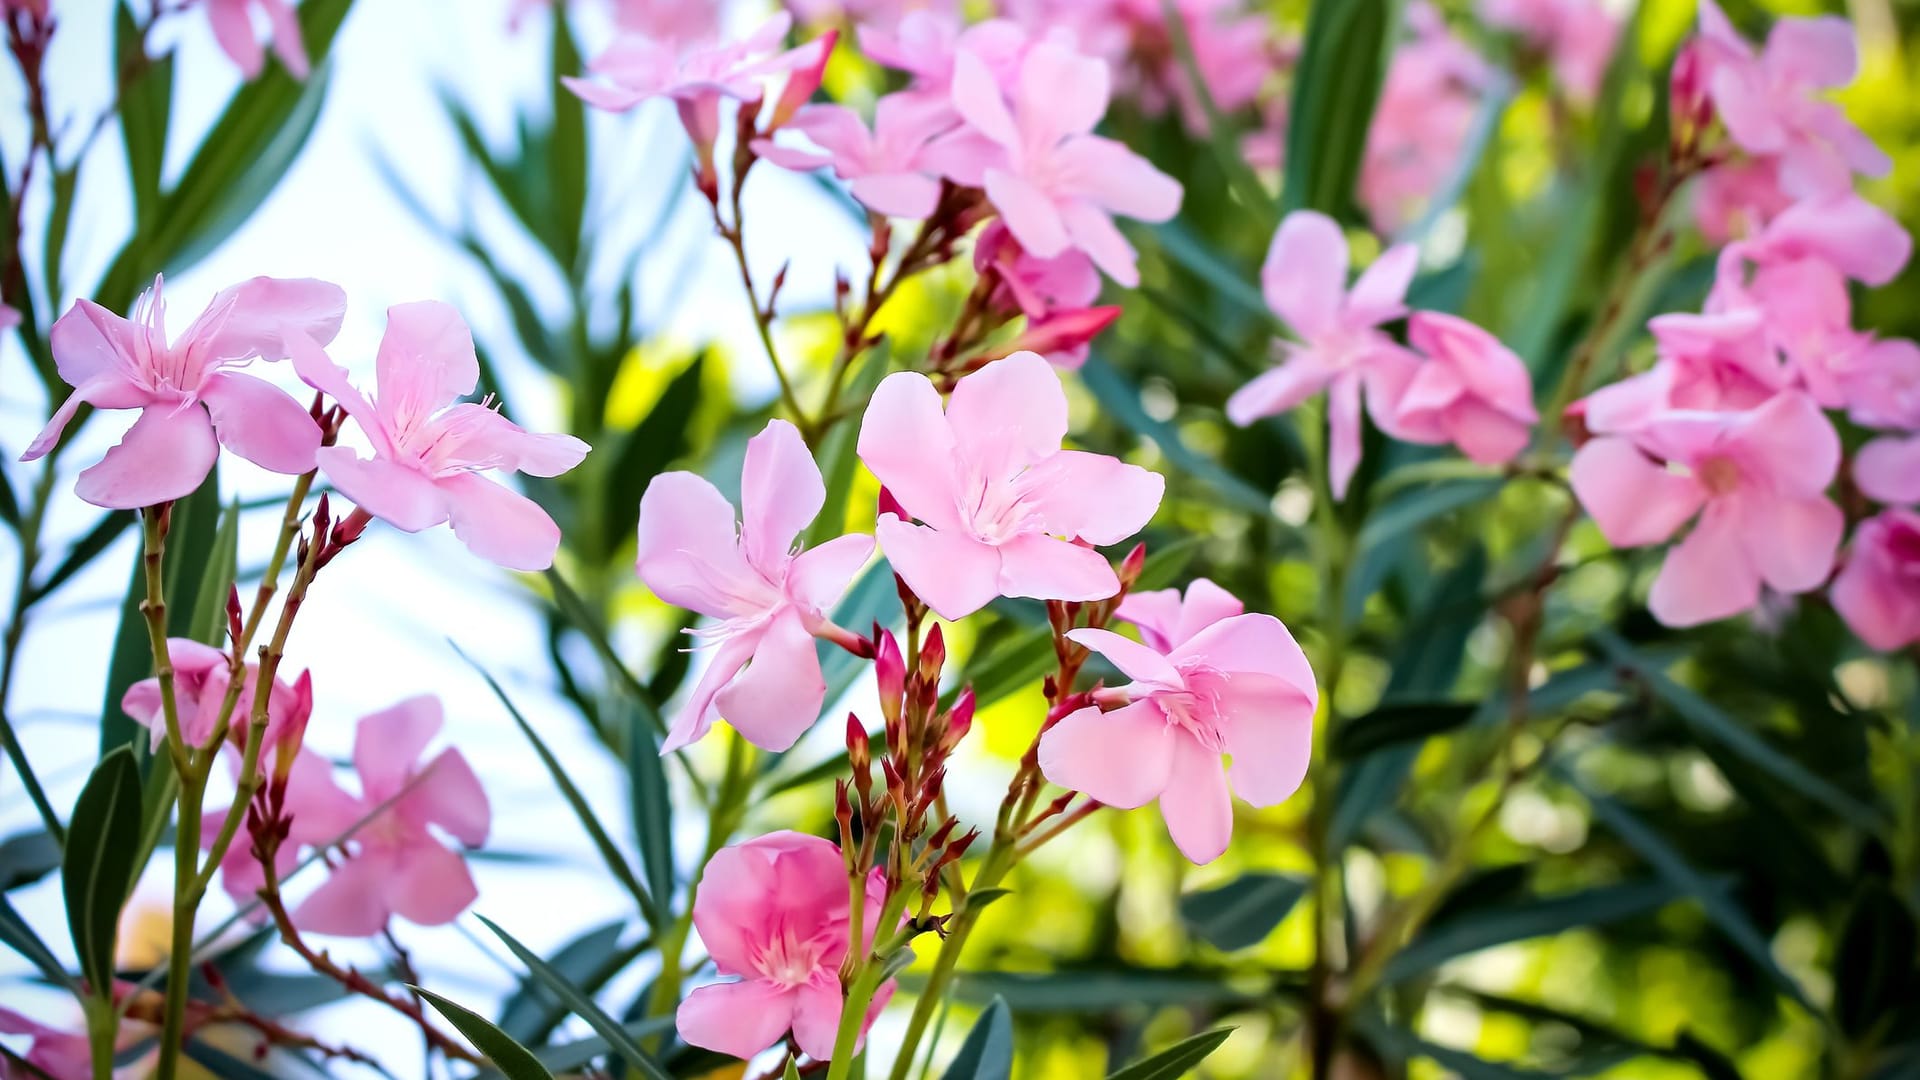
[
  {"x": 774, "y": 911},
  {"x": 1713, "y": 361},
  {"x": 877, "y": 13},
  {"x": 769, "y": 601},
  {"x": 9, "y": 318},
  {"x": 1427, "y": 106},
  {"x": 1054, "y": 182},
  {"x": 1166, "y": 619},
  {"x": 320, "y": 814},
  {"x": 1735, "y": 199},
  {"x": 1576, "y": 36},
  {"x": 62, "y": 1055},
  {"x": 668, "y": 20},
  {"x": 1004, "y": 510},
  {"x": 1878, "y": 381},
  {"x": 1855, "y": 237},
  {"x": 200, "y": 682},
  {"x": 233, "y": 28},
  {"x": 884, "y": 167},
  {"x": 1771, "y": 105},
  {"x": 429, "y": 449},
  {"x": 1341, "y": 345},
  {"x": 1240, "y": 686},
  {"x": 1755, "y": 479},
  {"x": 191, "y": 397},
  {"x": 1878, "y": 589},
  {"x": 1471, "y": 391},
  {"x": 395, "y": 864},
  {"x": 1887, "y": 470},
  {"x": 924, "y": 44},
  {"x": 1055, "y": 294}
]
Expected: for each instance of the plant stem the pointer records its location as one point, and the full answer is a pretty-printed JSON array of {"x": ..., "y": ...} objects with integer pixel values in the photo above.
[
  {"x": 867, "y": 978},
  {"x": 103, "y": 1035},
  {"x": 186, "y": 842}
]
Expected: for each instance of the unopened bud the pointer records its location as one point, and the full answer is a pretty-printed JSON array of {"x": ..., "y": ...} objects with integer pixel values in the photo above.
[
  {"x": 805, "y": 80},
  {"x": 1132, "y": 565},
  {"x": 233, "y": 613},
  {"x": 933, "y": 654},
  {"x": 959, "y": 719},
  {"x": 843, "y": 813},
  {"x": 890, "y": 672}
]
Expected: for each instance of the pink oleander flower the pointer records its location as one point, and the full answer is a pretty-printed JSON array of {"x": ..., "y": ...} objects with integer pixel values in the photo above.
[
  {"x": 769, "y": 600},
  {"x": 200, "y": 683},
  {"x": 429, "y": 448},
  {"x": 9, "y": 318},
  {"x": 774, "y": 912},
  {"x": 1055, "y": 183},
  {"x": 1166, "y": 619},
  {"x": 1880, "y": 382},
  {"x": 1771, "y": 105},
  {"x": 320, "y": 814},
  {"x": 1878, "y": 588},
  {"x": 925, "y": 43},
  {"x": 1576, "y": 36},
  {"x": 1887, "y": 470},
  {"x": 1341, "y": 346},
  {"x": 1855, "y": 237},
  {"x": 1239, "y": 686},
  {"x": 880, "y": 13},
  {"x": 1755, "y": 479},
  {"x": 1714, "y": 361},
  {"x": 1056, "y": 296},
  {"x": 191, "y": 396},
  {"x": 884, "y": 167},
  {"x": 396, "y": 864},
  {"x": 1471, "y": 391},
  {"x": 233, "y": 28},
  {"x": 1736, "y": 199},
  {"x": 62, "y": 1055},
  {"x": 1420, "y": 126},
  {"x": 1004, "y": 510}
]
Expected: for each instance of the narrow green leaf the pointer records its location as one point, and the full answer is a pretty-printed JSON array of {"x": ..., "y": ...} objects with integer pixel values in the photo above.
[
  {"x": 652, "y": 807},
  {"x": 86, "y": 549},
  {"x": 1223, "y": 279},
  {"x": 514, "y": 1061},
  {"x": 572, "y": 1056},
  {"x": 839, "y": 456},
  {"x": 566, "y": 145},
  {"x": 576, "y": 612},
  {"x": 224, "y": 1066},
  {"x": 16, "y": 934},
  {"x": 207, "y": 622},
  {"x": 1241, "y": 913},
  {"x": 98, "y": 871},
  {"x": 1421, "y": 505},
  {"x": 1343, "y": 61},
  {"x": 582, "y": 1005},
  {"x": 609, "y": 851},
  {"x": 1176, "y": 1060},
  {"x": 987, "y": 1053},
  {"x": 661, "y": 437},
  {"x": 27, "y": 857},
  {"x": 9, "y": 505},
  {"x": 1500, "y": 923},
  {"x": 791, "y": 1072},
  {"x": 1395, "y": 723},
  {"x": 1732, "y": 922},
  {"x": 1120, "y": 400},
  {"x": 1080, "y": 992},
  {"x": 146, "y": 106},
  {"x": 1222, "y": 135},
  {"x": 1709, "y": 722},
  {"x": 532, "y": 1012}
]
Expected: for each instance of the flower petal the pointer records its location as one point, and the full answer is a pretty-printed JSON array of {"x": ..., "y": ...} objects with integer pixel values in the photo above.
[
  {"x": 1279, "y": 389},
  {"x": 425, "y": 361},
  {"x": 165, "y": 455},
  {"x": 1707, "y": 575},
  {"x": 352, "y": 901},
  {"x": 500, "y": 525},
  {"x": 907, "y": 443},
  {"x": 1792, "y": 542},
  {"x": 1141, "y": 663},
  {"x": 1305, "y": 273},
  {"x": 400, "y": 496},
  {"x": 429, "y": 884},
  {"x": 1030, "y": 212},
  {"x": 737, "y": 1018},
  {"x": 1254, "y": 642},
  {"x": 781, "y": 492},
  {"x": 1632, "y": 499},
  {"x": 778, "y": 697},
  {"x": 1044, "y": 568},
  {"x": 819, "y": 576},
  {"x": 1120, "y": 758},
  {"x": 1092, "y": 497},
  {"x": 258, "y": 421},
  {"x": 1267, "y": 725},
  {"x": 1007, "y": 416},
  {"x": 952, "y": 573},
  {"x": 387, "y": 744},
  {"x": 1196, "y": 803}
]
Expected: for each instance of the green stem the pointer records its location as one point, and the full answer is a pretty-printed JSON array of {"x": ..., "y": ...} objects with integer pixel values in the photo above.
[
  {"x": 103, "y": 1035},
  {"x": 186, "y": 842},
  {"x": 23, "y": 600},
  {"x": 947, "y": 961},
  {"x": 867, "y": 977}
]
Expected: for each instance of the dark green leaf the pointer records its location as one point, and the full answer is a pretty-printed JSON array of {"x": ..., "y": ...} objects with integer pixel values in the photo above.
[
  {"x": 1176, "y": 1060},
  {"x": 17, "y": 935},
  {"x": 988, "y": 1052},
  {"x": 514, "y": 1061},
  {"x": 571, "y": 1056},
  {"x": 1120, "y": 400},
  {"x": 1394, "y": 723},
  {"x": 98, "y": 871},
  {"x": 9, "y": 505},
  {"x": 652, "y": 808},
  {"x": 531, "y": 1012},
  {"x": 207, "y": 620},
  {"x": 1103, "y": 990},
  {"x": 1873, "y": 971},
  {"x": 662, "y": 437},
  {"x": 566, "y": 145},
  {"x": 86, "y": 549},
  {"x": 1343, "y": 60},
  {"x": 1242, "y": 913},
  {"x": 225, "y": 1066},
  {"x": 26, "y": 858},
  {"x": 146, "y": 105},
  {"x": 582, "y": 1005},
  {"x": 1490, "y": 924},
  {"x": 1419, "y": 506}
]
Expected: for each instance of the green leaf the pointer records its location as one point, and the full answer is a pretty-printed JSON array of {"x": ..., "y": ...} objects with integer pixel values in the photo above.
[
  {"x": 1732, "y": 922},
  {"x": 1223, "y": 280},
  {"x": 514, "y": 1061},
  {"x": 146, "y": 105},
  {"x": 582, "y": 1005},
  {"x": 571, "y": 1056},
  {"x": 1395, "y": 723},
  {"x": 1707, "y": 721},
  {"x": 27, "y": 857},
  {"x": 1401, "y": 1043},
  {"x": 1491, "y": 924},
  {"x": 661, "y": 437},
  {"x": 1176, "y": 1060},
  {"x": 1421, "y": 505},
  {"x": 874, "y": 598},
  {"x": 1343, "y": 61},
  {"x": 224, "y": 1066},
  {"x": 98, "y": 871},
  {"x": 988, "y": 1052},
  {"x": 566, "y": 145},
  {"x": 17, "y": 935},
  {"x": 652, "y": 806},
  {"x": 791, "y": 1072},
  {"x": 207, "y": 621},
  {"x": 839, "y": 455},
  {"x": 1241, "y": 914},
  {"x": 1222, "y": 135},
  {"x": 1120, "y": 400},
  {"x": 1073, "y": 992},
  {"x": 1873, "y": 971},
  {"x": 609, "y": 851},
  {"x": 576, "y": 612},
  {"x": 532, "y": 1012}
]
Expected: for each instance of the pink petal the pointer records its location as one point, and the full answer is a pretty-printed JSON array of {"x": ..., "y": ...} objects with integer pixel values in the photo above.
[
  {"x": 1343, "y": 431},
  {"x": 1888, "y": 469},
  {"x": 952, "y": 573},
  {"x": 233, "y": 29},
  {"x": 1043, "y": 568},
  {"x": 400, "y": 496},
  {"x": 1707, "y": 575},
  {"x": 287, "y": 42},
  {"x": 1157, "y": 614},
  {"x": 907, "y": 195},
  {"x": 816, "y": 1017},
  {"x": 1060, "y": 93},
  {"x": 165, "y": 455},
  {"x": 696, "y": 716},
  {"x": 425, "y": 361},
  {"x": 1091, "y": 230},
  {"x": 1092, "y": 497},
  {"x": 1254, "y": 642},
  {"x": 352, "y": 901},
  {"x": 688, "y": 552},
  {"x": 1305, "y": 274},
  {"x": 89, "y": 342},
  {"x": 1278, "y": 390},
  {"x": 474, "y": 435},
  {"x": 430, "y": 885},
  {"x": 258, "y": 421},
  {"x": 451, "y": 797},
  {"x": 1485, "y": 434},
  {"x": 1380, "y": 294},
  {"x": 318, "y": 370},
  {"x": 738, "y": 1018},
  {"x": 907, "y": 443},
  {"x": 1817, "y": 53},
  {"x": 1136, "y": 661},
  {"x": 387, "y": 744},
  {"x": 1196, "y": 803},
  {"x": 977, "y": 97},
  {"x": 778, "y": 697},
  {"x": 1267, "y": 726},
  {"x": 1789, "y": 443},
  {"x": 780, "y": 494},
  {"x": 109, "y": 391},
  {"x": 1028, "y": 211},
  {"x": 1120, "y": 758},
  {"x": 1876, "y": 591},
  {"x": 1742, "y": 103},
  {"x": 1633, "y": 500},
  {"x": 1791, "y": 542},
  {"x": 1860, "y": 239},
  {"x": 499, "y": 525},
  {"x": 818, "y": 577},
  {"x": 1113, "y": 177},
  {"x": 262, "y": 313},
  {"x": 1005, "y": 417}
]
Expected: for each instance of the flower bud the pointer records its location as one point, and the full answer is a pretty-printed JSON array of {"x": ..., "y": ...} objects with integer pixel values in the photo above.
[
  {"x": 959, "y": 719},
  {"x": 1687, "y": 89},
  {"x": 1132, "y": 566},
  {"x": 890, "y": 672},
  {"x": 933, "y": 654},
  {"x": 804, "y": 80}
]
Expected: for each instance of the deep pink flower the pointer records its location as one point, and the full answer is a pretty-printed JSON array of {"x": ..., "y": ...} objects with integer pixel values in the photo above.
[
  {"x": 320, "y": 812},
  {"x": 200, "y": 683},
  {"x": 1054, "y": 182},
  {"x": 1240, "y": 686},
  {"x": 232, "y": 22},
  {"x": 774, "y": 912},
  {"x": 62, "y": 1055},
  {"x": 1878, "y": 589},
  {"x": 1757, "y": 481},
  {"x": 1420, "y": 126},
  {"x": 1770, "y": 101},
  {"x": 429, "y": 451},
  {"x": 770, "y": 602},
  {"x": 191, "y": 398},
  {"x": 1713, "y": 361},
  {"x": 396, "y": 864},
  {"x": 1004, "y": 509},
  {"x": 883, "y": 168},
  {"x": 1341, "y": 346},
  {"x": 1166, "y": 619},
  {"x": 1470, "y": 391}
]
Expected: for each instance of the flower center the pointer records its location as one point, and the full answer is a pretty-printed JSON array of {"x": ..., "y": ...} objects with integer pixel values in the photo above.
[
  {"x": 1720, "y": 475},
  {"x": 789, "y": 961}
]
